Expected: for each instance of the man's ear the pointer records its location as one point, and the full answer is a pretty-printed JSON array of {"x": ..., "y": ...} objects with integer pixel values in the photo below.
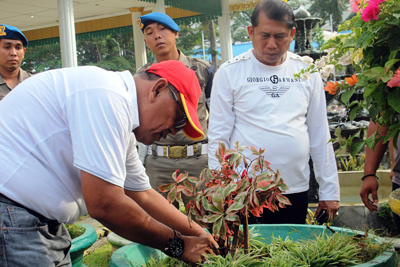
[{"x": 155, "y": 90}]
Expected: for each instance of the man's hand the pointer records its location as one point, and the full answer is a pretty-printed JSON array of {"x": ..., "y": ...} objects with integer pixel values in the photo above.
[
  {"x": 370, "y": 186},
  {"x": 197, "y": 246},
  {"x": 330, "y": 206}
]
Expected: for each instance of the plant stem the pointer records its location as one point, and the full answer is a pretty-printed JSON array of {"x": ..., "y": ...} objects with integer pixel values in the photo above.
[{"x": 246, "y": 230}]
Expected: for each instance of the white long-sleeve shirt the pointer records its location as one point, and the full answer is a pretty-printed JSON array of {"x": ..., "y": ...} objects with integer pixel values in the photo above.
[{"x": 265, "y": 106}]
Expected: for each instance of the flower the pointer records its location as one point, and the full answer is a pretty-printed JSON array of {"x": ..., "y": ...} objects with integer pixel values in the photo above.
[
  {"x": 370, "y": 43},
  {"x": 370, "y": 12},
  {"x": 395, "y": 81},
  {"x": 308, "y": 60},
  {"x": 352, "y": 80},
  {"x": 305, "y": 76},
  {"x": 331, "y": 87}
]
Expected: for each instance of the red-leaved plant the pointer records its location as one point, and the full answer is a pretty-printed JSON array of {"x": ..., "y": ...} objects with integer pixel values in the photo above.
[{"x": 224, "y": 197}]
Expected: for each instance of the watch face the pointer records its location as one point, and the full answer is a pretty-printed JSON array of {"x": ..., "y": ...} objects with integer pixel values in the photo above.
[{"x": 175, "y": 247}]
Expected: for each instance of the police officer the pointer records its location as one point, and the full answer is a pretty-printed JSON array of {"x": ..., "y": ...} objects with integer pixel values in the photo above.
[
  {"x": 176, "y": 152},
  {"x": 12, "y": 51}
]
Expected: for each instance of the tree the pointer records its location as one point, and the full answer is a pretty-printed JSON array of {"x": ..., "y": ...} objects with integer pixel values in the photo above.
[
  {"x": 325, "y": 8},
  {"x": 240, "y": 20}
]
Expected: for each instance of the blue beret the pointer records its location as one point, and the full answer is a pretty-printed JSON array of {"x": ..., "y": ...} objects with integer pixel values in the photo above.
[
  {"x": 161, "y": 18},
  {"x": 13, "y": 33}
]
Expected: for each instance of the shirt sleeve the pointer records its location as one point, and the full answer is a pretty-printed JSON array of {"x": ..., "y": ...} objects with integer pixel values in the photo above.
[
  {"x": 136, "y": 177},
  {"x": 100, "y": 126},
  {"x": 222, "y": 117},
  {"x": 321, "y": 149}
]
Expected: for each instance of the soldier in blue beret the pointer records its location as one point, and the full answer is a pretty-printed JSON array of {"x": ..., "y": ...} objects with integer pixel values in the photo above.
[
  {"x": 12, "y": 51},
  {"x": 169, "y": 154}
]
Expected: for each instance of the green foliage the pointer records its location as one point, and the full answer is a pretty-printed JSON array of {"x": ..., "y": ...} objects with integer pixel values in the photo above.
[
  {"x": 352, "y": 144},
  {"x": 75, "y": 229},
  {"x": 388, "y": 223},
  {"x": 224, "y": 197},
  {"x": 101, "y": 257},
  {"x": 374, "y": 49},
  {"x": 240, "y": 21},
  {"x": 319, "y": 37},
  {"x": 114, "y": 52},
  {"x": 325, "y": 8},
  {"x": 350, "y": 163},
  {"x": 322, "y": 250}
]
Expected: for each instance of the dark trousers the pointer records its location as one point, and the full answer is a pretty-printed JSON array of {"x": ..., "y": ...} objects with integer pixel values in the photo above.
[{"x": 293, "y": 214}]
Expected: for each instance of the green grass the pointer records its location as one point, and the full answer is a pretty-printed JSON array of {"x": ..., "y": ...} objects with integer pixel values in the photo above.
[{"x": 100, "y": 258}]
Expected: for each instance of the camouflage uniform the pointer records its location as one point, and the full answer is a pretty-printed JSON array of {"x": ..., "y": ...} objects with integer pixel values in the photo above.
[
  {"x": 177, "y": 152},
  {"x": 4, "y": 89}
]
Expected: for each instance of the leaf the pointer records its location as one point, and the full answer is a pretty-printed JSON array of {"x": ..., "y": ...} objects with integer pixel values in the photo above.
[
  {"x": 171, "y": 195},
  {"x": 353, "y": 113},
  {"x": 212, "y": 218},
  {"x": 218, "y": 201},
  {"x": 394, "y": 100},
  {"x": 283, "y": 199},
  {"x": 374, "y": 72},
  {"x": 228, "y": 190},
  {"x": 236, "y": 206},
  {"x": 166, "y": 187},
  {"x": 356, "y": 147},
  {"x": 232, "y": 218},
  {"x": 345, "y": 97},
  {"x": 217, "y": 228}
]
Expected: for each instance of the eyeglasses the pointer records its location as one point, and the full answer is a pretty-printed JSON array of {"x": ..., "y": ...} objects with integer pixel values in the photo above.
[{"x": 182, "y": 122}]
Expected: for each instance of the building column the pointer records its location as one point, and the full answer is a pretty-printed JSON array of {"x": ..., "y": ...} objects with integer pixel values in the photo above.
[
  {"x": 225, "y": 32},
  {"x": 159, "y": 6},
  {"x": 67, "y": 33},
  {"x": 138, "y": 38}
]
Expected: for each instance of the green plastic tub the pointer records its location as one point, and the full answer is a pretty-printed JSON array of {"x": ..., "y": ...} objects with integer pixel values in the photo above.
[
  {"x": 137, "y": 255},
  {"x": 82, "y": 243}
]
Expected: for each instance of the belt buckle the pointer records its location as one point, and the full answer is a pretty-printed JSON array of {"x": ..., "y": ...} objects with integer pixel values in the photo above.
[{"x": 177, "y": 152}]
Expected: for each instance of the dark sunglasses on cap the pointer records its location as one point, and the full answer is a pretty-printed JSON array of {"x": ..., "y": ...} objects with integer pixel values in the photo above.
[{"x": 182, "y": 122}]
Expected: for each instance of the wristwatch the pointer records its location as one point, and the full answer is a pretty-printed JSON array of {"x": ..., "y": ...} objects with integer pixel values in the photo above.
[{"x": 175, "y": 246}]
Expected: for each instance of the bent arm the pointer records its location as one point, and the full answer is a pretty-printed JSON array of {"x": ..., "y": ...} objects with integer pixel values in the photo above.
[
  {"x": 373, "y": 158},
  {"x": 143, "y": 217}
]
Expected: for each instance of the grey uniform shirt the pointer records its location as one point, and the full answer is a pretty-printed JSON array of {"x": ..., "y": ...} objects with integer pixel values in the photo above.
[{"x": 4, "y": 89}]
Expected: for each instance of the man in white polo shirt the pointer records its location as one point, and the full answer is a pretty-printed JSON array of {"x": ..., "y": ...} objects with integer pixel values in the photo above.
[{"x": 67, "y": 149}]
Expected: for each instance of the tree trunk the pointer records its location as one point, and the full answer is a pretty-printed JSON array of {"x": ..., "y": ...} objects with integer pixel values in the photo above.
[{"x": 213, "y": 43}]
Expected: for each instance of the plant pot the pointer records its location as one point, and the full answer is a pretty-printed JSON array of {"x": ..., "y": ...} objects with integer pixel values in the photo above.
[
  {"x": 137, "y": 255},
  {"x": 117, "y": 241},
  {"x": 394, "y": 201},
  {"x": 82, "y": 243}
]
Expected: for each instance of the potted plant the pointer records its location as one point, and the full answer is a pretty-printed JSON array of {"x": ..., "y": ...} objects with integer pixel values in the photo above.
[
  {"x": 83, "y": 237},
  {"x": 222, "y": 199}
]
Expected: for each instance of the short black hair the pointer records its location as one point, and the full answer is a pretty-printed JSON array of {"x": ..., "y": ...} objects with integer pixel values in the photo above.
[{"x": 273, "y": 9}]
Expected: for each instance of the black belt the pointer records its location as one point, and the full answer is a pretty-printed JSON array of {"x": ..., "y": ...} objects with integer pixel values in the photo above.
[{"x": 6, "y": 200}]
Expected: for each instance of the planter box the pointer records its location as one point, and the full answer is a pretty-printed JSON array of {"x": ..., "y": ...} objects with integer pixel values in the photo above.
[
  {"x": 350, "y": 185},
  {"x": 137, "y": 255},
  {"x": 82, "y": 243}
]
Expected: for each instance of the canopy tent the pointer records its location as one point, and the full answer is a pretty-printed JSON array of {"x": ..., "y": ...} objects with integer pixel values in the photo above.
[{"x": 45, "y": 21}]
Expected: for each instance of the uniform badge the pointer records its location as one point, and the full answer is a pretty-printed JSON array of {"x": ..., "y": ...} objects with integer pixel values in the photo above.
[
  {"x": 139, "y": 22},
  {"x": 3, "y": 31}
]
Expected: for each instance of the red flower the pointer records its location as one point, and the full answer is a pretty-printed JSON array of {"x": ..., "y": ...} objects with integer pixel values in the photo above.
[
  {"x": 395, "y": 81},
  {"x": 371, "y": 11},
  {"x": 352, "y": 80},
  {"x": 331, "y": 87}
]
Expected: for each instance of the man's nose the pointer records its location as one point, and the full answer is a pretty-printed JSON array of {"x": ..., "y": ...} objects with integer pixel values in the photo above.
[
  {"x": 271, "y": 43},
  {"x": 13, "y": 51}
]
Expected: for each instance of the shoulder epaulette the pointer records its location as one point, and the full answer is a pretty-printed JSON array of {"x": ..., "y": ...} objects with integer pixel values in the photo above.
[
  {"x": 237, "y": 59},
  {"x": 202, "y": 61}
]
